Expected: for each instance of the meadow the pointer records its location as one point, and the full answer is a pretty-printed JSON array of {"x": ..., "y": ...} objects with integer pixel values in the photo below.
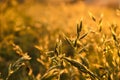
[{"x": 49, "y": 40}]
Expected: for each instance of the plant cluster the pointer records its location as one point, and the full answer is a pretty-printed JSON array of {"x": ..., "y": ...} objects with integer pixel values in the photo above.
[
  {"x": 91, "y": 54},
  {"x": 77, "y": 58}
]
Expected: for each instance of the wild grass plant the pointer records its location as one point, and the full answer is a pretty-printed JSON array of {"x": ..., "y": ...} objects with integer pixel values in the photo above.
[
  {"x": 88, "y": 54},
  {"x": 80, "y": 58}
]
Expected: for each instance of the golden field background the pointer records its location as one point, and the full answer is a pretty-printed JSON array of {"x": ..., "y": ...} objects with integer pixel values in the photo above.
[{"x": 36, "y": 26}]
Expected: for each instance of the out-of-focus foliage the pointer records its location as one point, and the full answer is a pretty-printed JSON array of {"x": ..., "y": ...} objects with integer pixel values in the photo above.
[{"x": 55, "y": 49}]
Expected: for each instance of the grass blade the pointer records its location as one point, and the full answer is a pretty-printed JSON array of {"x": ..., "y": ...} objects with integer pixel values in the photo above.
[{"x": 81, "y": 67}]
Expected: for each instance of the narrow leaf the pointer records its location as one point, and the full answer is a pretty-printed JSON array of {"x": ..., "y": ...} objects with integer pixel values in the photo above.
[
  {"x": 81, "y": 67},
  {"x": 84, "y": 35}
]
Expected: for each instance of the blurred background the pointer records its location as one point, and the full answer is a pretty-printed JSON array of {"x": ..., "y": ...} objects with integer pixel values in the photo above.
[{"x": 38, "y": 22}]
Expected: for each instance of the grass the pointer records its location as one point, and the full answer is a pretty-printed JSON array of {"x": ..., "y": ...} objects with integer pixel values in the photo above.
[{"x": 44, "y": 46}]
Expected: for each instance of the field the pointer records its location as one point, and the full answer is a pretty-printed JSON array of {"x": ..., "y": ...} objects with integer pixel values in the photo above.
[{"x": 59, "y": 40}]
